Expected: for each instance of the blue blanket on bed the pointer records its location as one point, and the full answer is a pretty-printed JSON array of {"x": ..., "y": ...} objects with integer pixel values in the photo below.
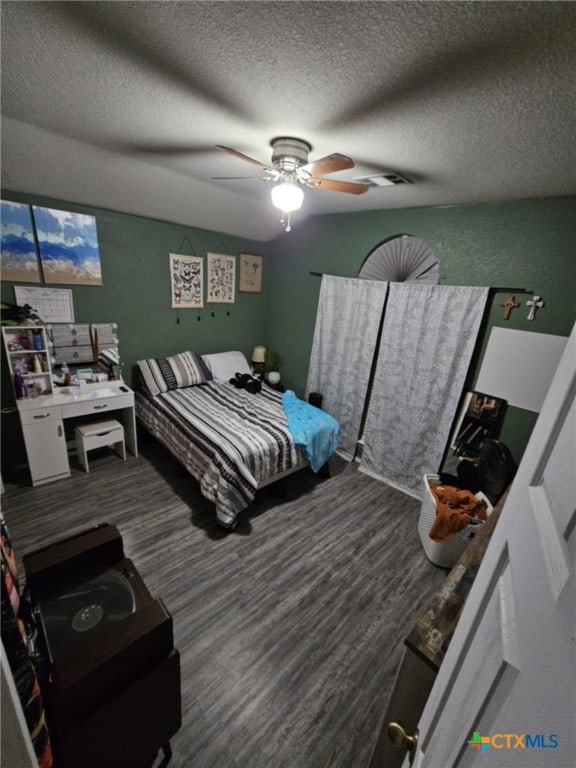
[{"x": 314, "y": 431}]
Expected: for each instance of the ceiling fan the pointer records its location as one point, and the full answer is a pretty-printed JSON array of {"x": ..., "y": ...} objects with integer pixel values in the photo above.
[{"x": 290, "y": 170}]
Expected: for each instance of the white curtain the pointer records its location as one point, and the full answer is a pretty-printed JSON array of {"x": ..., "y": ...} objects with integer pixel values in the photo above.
[
  {"x": 427, "y": 341},
  {"x": 347, "y": 322}
]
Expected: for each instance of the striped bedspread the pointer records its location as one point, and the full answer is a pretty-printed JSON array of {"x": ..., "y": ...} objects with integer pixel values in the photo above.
[{"x": 228, "y": 439}]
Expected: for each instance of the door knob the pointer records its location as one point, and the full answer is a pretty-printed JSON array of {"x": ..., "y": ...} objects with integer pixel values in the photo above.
[{"x": 399, "y": 737}]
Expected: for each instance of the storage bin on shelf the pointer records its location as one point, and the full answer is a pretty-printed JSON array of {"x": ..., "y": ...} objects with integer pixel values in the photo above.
[{"x": 445, "y": 554}]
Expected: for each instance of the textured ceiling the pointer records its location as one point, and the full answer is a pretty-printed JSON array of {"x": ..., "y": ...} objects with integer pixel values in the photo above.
[{"x": 119, "y": 104}]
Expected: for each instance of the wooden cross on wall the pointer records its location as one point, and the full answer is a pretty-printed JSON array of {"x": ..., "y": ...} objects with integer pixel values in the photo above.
[
  {"x": 534, "y": 304},
  {"x": 508, "y": 306}
]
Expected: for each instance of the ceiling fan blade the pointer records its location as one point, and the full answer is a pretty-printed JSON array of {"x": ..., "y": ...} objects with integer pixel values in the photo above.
[
  {"x": 328, "y": 164},
  {"x": 159, "y": 148},
  {"x": 257, "y": 178},
  {"x": 242, "y": 156},
  {"x": 351, "y": 187}
]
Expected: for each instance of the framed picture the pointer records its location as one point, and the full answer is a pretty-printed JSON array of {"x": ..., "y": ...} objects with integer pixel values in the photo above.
[
  {"x": 186, "y": 281},
  {"x": 221, "y": 280},
  {"x": 19, "y": 257},
  {"x": 250, "y": 273},
  {"x": 68, "y": 245}
]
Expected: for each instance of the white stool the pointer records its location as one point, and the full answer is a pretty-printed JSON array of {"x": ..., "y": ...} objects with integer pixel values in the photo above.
[{"x": 96, "y": 435}]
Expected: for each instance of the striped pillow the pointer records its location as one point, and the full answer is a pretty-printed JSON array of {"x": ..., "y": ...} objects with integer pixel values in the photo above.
[{"x": 162, "y": 374}]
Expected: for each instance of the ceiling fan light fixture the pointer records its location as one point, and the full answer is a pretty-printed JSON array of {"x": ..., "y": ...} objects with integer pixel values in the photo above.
[
  {"x": 291, "y": 170},
  {"x": 287, "y": 197}
]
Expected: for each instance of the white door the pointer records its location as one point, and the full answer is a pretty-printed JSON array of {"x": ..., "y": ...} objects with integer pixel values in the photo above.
[{"x": 505, "y": 695}]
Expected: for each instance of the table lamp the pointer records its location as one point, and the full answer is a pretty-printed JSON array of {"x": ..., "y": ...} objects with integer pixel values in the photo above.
[{"x": 258, "y": 357}]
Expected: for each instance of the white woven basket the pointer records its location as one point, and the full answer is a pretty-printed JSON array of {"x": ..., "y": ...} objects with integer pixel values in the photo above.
[{"x": 446, "y": 553}]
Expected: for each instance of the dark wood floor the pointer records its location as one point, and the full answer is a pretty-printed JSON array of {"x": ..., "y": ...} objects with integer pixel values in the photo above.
[{"x": 289, "y": 629}]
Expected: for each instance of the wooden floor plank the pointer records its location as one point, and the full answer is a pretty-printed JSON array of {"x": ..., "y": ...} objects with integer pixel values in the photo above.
[{"x": 289, "y": 629}]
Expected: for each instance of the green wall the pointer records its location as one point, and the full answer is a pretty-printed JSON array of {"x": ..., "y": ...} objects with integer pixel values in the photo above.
[
  {"x": 525, "y": 244},
  {"x": 528, "y": 243},
  {"x": 136, "y": 288},
  {"x": 136, "y": 295}
]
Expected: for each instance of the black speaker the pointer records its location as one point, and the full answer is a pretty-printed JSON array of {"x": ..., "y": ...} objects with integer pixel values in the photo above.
[{"x": 315, "y": 399}]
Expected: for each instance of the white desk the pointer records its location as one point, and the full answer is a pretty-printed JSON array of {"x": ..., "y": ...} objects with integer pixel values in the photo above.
[{"x": 42, "y": 420}]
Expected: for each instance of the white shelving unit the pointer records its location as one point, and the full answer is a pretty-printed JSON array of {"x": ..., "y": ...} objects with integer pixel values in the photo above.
[
  {"x": 28, "y": 351},
  {"x": 48, "y": 409}
]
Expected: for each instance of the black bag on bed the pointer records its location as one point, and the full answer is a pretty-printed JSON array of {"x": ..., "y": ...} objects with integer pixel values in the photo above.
[{"x": 248, "y": 382}]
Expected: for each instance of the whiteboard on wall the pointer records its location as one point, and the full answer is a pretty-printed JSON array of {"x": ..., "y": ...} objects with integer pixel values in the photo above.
[
  {"x": 519, "y": 365},
  {"x": 53, "y": 305}
]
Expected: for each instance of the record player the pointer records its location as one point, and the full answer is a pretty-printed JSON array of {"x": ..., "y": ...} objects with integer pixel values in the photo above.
[{"x": 108, "y": 670}]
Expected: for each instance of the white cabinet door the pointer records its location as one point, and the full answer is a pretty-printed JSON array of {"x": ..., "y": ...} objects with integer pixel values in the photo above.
[{"x": 46, "y": 450}]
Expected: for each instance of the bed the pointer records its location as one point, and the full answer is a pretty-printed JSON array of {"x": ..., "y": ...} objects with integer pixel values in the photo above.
[{"x": 231, "y": 440}]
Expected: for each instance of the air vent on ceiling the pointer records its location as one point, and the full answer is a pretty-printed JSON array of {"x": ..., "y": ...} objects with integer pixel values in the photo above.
[{"x": 384, "y": 180}]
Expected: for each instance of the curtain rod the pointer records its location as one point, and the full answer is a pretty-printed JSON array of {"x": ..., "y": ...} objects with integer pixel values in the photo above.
[
  {"x": 511, "y": 290},
  {"x": 495, "y": 289}
]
